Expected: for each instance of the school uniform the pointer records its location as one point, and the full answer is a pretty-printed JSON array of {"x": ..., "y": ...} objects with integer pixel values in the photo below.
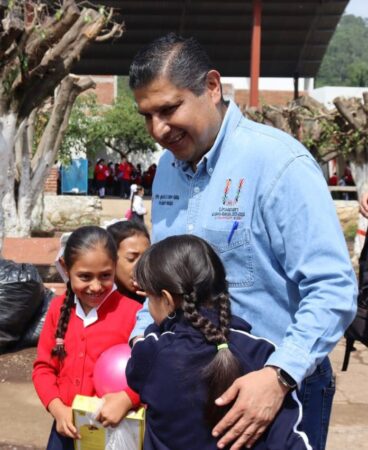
[
  {"x": 85, "y": 340},
  {"x": 138, "y": 208},
  {"x": 87, "y": 336},
  {"x": 165, "y": 369}
]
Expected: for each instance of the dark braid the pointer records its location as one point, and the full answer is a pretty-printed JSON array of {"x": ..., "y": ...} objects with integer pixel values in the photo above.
[
  {"x": 65, "y": 310},
  {"x": 188, "y": 267},
  {"x": 224, "y": 313},
  {"x": 212, "y": 334}
]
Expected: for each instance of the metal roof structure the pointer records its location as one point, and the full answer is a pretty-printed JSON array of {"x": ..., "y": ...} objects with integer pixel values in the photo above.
[{"x": 295, "y": 34}]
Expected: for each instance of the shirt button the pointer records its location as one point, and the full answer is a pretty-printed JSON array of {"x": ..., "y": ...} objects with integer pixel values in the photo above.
[
  {"x": 196, "y": 189},
  {"x": 210, "y": 170},
  {"x": 83, "y": 338},
  {"x": 190, "y": 227},
  {"x": 77, "y": 382},
  {"x": 81, "y": 354}
]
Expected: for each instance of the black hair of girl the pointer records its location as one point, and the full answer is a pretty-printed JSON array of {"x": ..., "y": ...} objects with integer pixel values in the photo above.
[
  {"x": 125, "y": 229},
  {"x": 83, "y": 239},
  {"x": 188, "y": 268}
]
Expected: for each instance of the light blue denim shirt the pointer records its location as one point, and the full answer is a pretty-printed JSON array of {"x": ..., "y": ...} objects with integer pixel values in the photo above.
[{"x": 287, "y": 264}]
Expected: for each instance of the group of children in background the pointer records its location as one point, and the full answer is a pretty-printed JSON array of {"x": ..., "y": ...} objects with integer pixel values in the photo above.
[
  {"x": 116, "y": 178},
  {"x": 189, "y": 356}
]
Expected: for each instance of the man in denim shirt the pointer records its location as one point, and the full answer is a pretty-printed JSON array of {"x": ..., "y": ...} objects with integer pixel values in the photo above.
[{"x": 258, "y": 196}]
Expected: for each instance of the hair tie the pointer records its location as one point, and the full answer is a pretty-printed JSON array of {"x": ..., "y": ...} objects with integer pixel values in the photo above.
[
  {"x": 59, "y": 341},
  {"x": 223, "y": 345}
]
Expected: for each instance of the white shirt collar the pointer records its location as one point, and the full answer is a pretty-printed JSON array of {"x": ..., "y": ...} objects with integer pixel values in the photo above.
[{"x": 92, "y": 316}]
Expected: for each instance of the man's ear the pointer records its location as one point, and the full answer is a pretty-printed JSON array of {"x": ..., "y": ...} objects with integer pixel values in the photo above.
[
  {"x": 213, "y": 83},
  {"x": 169, "y": 300}
]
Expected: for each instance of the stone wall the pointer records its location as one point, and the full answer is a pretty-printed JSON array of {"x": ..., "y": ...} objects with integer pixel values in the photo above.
[
  {"x": 348, "y": 213},
  {"x": 66, "y": 213}
]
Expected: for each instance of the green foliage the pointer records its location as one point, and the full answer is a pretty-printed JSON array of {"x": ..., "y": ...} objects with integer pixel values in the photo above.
[
  {"x": 79, "y": 135},
  {"x": 126, "y": 129},
  {"x": 345, "y": 61},
  {"x": 350, "y": 231},
  {"x": 59, "y": 14},
  {"x": 10, "y": 78},
  {"x": 358, "y": 73},
  {"x": 93, "y": 126},
  {"x": 123, "y": 88}
]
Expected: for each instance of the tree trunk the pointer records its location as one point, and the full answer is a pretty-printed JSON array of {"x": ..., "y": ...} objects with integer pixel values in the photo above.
[
  {"x": 38, "y": 48},
  {"x": 8, "y": 125}
]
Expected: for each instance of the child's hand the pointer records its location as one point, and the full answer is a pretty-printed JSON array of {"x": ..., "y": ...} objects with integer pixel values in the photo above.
[
  {"x": 115, "y": 408},
  {"x": 138, "y": 290},
  {"x": 64, "y": 419}
]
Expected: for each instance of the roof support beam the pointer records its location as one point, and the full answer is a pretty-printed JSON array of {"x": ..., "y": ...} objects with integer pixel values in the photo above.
[{"x": 255, "y": 63}]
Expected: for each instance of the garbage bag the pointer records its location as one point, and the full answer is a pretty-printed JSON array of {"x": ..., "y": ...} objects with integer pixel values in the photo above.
[
  {"x": 21, "y": 294},
  {"x": 32, "y": 334}
]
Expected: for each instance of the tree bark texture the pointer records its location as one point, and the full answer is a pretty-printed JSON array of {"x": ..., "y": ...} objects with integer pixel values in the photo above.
[
  {"x": 38, "y": 48},
  {"x": 342, "y": 130}
]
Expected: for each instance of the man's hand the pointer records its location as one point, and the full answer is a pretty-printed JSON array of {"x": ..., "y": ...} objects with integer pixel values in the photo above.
[
  {"x": 64, "y": 418},
  {"x": 363, "y": 204},
  {"x": 259, "y": 396},
  {"x": 114, "y": 409}
]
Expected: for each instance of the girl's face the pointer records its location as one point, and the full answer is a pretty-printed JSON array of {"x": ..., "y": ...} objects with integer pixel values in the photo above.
[
  {"x": 129, "y": 252},
  {"x": 92, "y": 277}
]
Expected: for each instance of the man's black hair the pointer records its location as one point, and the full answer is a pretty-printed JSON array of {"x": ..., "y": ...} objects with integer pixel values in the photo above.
[{"x": 183, "y": 61}]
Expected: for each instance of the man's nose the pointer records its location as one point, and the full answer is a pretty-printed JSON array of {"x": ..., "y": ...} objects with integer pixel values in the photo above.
[{"x": 160, "y": 128}]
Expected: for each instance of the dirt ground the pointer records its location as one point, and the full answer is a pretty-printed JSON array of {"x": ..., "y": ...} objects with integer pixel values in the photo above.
[{"x": 17, "y": 366}]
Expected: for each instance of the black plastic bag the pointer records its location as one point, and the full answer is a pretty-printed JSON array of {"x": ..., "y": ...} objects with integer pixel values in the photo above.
[
  {"x": 32, "y": 334},
  {"x": 21, "y": 294}
]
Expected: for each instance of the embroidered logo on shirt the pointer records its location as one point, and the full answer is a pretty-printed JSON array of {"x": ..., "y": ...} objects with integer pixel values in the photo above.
[
  {"x": 230, "y": 209},
  {"x": 229, "y": 202}
]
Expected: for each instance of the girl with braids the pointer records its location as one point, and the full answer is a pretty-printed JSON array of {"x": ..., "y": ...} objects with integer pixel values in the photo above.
[
  {"x": 91, "y": 317},
  {"x": 195, "y": 350}
]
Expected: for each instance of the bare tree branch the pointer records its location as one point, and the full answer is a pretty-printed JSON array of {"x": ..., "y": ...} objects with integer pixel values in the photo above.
[{"x": 346, "y": 113}]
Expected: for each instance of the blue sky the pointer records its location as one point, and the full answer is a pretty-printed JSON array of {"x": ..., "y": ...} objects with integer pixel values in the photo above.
[{"x": 358, "y": 8}]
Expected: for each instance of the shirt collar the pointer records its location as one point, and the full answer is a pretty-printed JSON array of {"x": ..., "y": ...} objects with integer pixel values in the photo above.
[
  {"x": 92, "y": 316},
  {"x": 231, "y": 120}
]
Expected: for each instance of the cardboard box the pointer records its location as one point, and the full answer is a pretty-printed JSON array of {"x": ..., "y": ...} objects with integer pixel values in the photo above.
[{"x": 128, "y": 435}]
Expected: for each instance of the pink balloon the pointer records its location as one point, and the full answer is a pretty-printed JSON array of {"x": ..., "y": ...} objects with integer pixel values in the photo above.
[{"x": 109, "y": 371}]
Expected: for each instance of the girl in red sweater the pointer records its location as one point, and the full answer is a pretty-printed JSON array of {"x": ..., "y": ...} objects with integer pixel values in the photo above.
[{"x": 91, "y": 317}]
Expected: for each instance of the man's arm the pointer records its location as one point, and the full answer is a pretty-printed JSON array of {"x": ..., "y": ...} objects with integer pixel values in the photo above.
[
  {"x": 307, "y": 241},
  {"x": 144, "y": 319}
]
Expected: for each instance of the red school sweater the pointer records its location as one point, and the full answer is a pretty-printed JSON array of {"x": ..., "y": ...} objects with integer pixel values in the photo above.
[{"x": 74, "y": 375}]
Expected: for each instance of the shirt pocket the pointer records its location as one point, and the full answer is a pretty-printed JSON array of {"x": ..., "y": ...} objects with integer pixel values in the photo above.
[{"x": 236, "y": 255}]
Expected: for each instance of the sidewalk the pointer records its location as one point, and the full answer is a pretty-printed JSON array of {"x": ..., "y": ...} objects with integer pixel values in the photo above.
[{"x": 24, "y": 422}]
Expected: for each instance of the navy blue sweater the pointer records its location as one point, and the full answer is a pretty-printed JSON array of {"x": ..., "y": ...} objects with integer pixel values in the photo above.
[{"x": 165, "y": 370}]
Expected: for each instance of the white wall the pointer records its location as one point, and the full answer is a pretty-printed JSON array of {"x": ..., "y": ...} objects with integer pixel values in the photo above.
[
  {"x": 271, "y": 84},
  {"x": 327, "y": 94}
]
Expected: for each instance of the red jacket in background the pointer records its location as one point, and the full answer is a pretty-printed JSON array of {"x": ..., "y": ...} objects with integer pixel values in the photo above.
[
  {"x": 101, "y": 172},
  {"x": 125, "y": 171}
]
